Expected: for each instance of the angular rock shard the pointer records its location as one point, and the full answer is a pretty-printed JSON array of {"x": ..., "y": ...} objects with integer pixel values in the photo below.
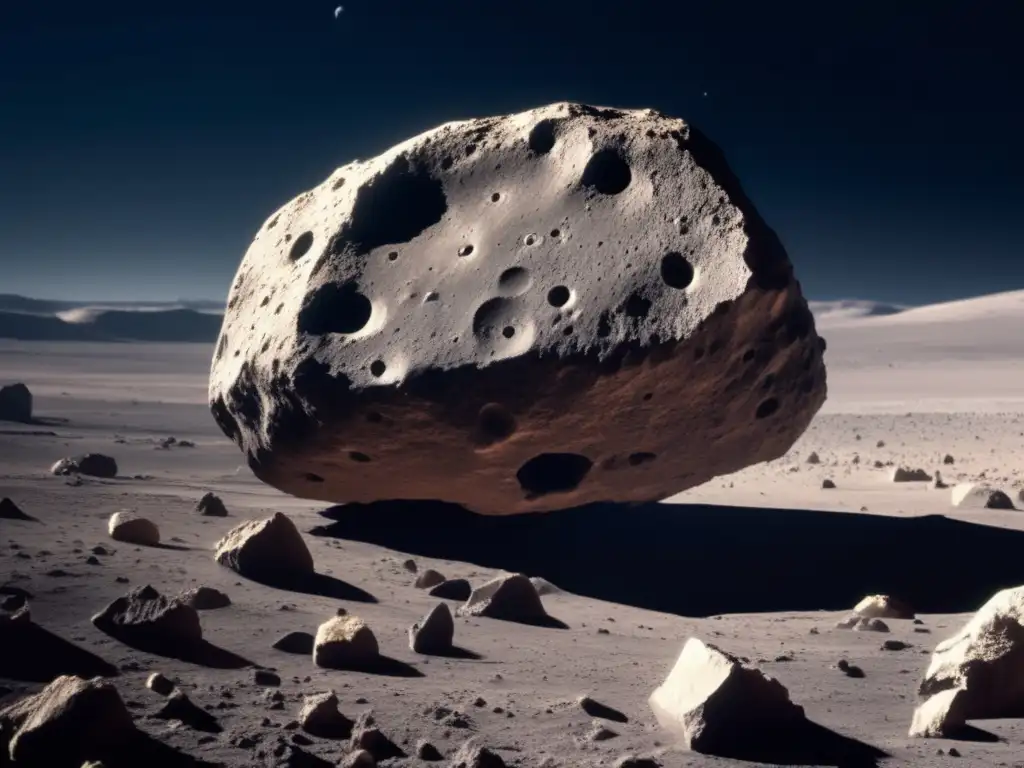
[
  {"x": 265, "y": 549},
  {"x": 320, "y": 716},
  {"x": 69, "y": 722},
  {"x": 435, "y": 633},
  {"x": 523, "y": 313},
  {"x": 978, "y": 673},
  {"x": 711, "y": 702},
  {"x": 512, "y": 598}
]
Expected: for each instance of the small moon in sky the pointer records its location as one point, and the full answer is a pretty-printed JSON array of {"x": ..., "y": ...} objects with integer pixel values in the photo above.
[
  {"x": 705, "y": 94},
  {"x": 339, "y": 10}
]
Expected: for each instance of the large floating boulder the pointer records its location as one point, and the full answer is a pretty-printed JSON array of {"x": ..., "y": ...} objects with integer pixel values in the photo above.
[
  {"x": 523, "y": 313},
  {"x": 978, "y": 673},
  {"x": 710, "y": 701},
  {"x": 15, "y": 403},
  {"x": 68, "y": 722}
]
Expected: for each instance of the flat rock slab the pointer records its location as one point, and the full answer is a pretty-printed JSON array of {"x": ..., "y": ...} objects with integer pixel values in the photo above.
[{"x": 517, "y": 314}]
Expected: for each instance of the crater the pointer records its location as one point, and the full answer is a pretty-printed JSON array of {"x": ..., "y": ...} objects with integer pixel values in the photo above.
[
  {"x": 549, "y": 473},
  {"x": 514, "y": 281},
  {"x": 559, "y": 296},
  {"x": 542, "y": 137},
  {"x": 334, "y": 308},
  {"x": 676, "y": 270},
  {"x": 494, "y": 423},
  {"x": 377, "y": 368},
  {"x": 607, "y": 172}
]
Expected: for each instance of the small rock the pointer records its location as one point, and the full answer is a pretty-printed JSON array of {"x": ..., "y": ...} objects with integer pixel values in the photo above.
[
  {"x": 511, "y": 598},
  {"x": 345, "y": 642},
  {"x": 132, "y": 529},
  {"x": 268, "y": 549},
  {"x": 429, "y": 579},
  {"x": 828, "y": 484},
  {"x": 204, "y": 598},
  {"x": 948, "y": 459},
  {"x": 848, "y": 669},
  {"x": 159, "y": 684},
  {"x": 895, "y": 645},
  {"x": 92, "y": 464},
  {"x": 908, "y": 475},
  {"x": 427, "y": 751},
  {"x": 16, "y": 403},
  {"x": 813, "y": 458},
  {"x": 453, "y": 589},
  {"x": 410, "y": 566},
  {"x": 266, "y": 678},
  {"x": 295, "y": 642},
  {"x": 435, "y": 633},
  {"x": 359, "y": 759},
  {"x": 320, "y": 716},
  {"x": 473, "y": 756},
  {"x": 599, "y": 732},
  {"x": 210, "y": 505}
]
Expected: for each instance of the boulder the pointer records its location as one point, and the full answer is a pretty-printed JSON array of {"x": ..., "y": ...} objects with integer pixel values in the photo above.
[
  {"x": 204, "y": 598},
  {"x": 512, "y": 598},
  {"x": 269, "y": 548},
  {"x": 15, "y": 403},
  {"x": 160, "y": 684},
  {"x": 472, "y": 755},
  {"x": 453, "y": 589},
  {"x": 435, "y": 633},
  {"x": 979, "y": 496},
  {"x": 210, "y": 505},
  {"x": 428, "y": 579},
  {"x": 11, "y": 511},
  {"x": 92, "y": 464},
  {"x": 345, "y": 642},
  {"x": 908, "y": 475},
  {"x": 978, "y": 673},
  {"x": 711, "y": 701},
  {"x": 518, "y": 314},
  {"x": 146, "y": 618},
  {"x": 69, "y": 722},
  {"x": 130, "y": 528},
  {"x": 320, "y": 716},
  {"x": 883, "y": 607}
]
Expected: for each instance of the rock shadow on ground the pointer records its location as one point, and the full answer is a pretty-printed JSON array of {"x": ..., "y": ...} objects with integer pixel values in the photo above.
[
  {"x": 592, "y": 551},
  {"x": 806, "y": 743},
  {"x": 315, "y": 584},
  {"x": 33, "y": 654}
]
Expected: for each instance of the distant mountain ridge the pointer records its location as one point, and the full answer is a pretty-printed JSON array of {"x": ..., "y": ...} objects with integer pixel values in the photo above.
[{"x": 30, "y": 319}]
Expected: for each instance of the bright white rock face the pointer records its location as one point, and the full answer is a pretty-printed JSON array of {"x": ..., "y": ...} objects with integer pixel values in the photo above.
[{"x": 522, "y": 313}]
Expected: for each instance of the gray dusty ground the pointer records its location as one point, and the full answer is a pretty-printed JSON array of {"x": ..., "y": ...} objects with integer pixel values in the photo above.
[{"x": 798, "y": 570}]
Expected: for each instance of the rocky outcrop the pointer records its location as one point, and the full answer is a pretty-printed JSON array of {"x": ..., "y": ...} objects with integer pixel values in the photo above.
[
  {"x": 978, "y": 673},
  {"x": 265, "y": 549},
  {"x": 69, "y": 722},
  {"x": 15, "y": 403},
  {"x": 92, "y": 464},
  {"x": 567, "y": 305},
  {"x": 883, "y": 607},
  {"x": 710, "y": 701}
]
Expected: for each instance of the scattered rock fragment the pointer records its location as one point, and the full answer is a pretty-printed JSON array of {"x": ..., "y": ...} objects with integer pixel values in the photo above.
[
  {"x": 211, "y": 505},
  {"x": 979, "y": 496},
  {"x": 321, "y": 717},
  {"x": 600, "y": 732},
  {"x": 883, "y": 607},
  {"x": 813, "y": 458},
  {"x": 828, "y": 484},
  {"x": 429, "y": 579},
  {"x": 16, "y": 403},
  {"x": 453, "y": 589},
  {"x": 435, "y": 633},
  {"x": 145, "y": 618},
  {"x": 159, "y": 684},
  {"x": 895, "y": 645},
  {"x": 427, "y": 751},
  {"x": 978, "y": 673},
  {"x": 178, "y": 706},
  {"x": 511, "y": 598},
  {"x": 471, "y": 755},
  {"x": 710, "y": 700},
  {"x": 204, "y": 598},
  {"x": 948, "y": 459},
  {"x": 367, "y": 736},
  {"x": 132, "y": 529},
  {"x": 848, "y": 669},
  {"x": 410, "y": 566},
  {"x": 345, "y": 642},
  {"x": 908, "y": 475},
  {"x": 631, "y": 761},
  {"x": 11, "y": 511},
  {"x": 69, "y": 722},
  {"x": 268, "y": 549},
  {"x": 92, "y": 464}
]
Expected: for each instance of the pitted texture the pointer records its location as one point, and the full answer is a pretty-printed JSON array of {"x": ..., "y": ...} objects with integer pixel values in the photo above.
[{"x": 562, "y": 306}]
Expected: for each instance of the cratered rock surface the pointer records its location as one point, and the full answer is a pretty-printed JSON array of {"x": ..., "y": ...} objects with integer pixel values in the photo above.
[{"x": 523, "y": 313}]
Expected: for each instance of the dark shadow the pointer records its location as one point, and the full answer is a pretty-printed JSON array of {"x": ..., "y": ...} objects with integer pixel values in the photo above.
[
  {"x": 603, "y": 711},
  {"x": 172, "y": 547},
  {"x": 971, "y": 733},
  {"x": 145, "y": 750},
  {"x": 298, "y": 643},
  {"x": 317, "y": 584},
  {"x": 35, "y": 655},
  {"x": 640, "y": 554},
  {"x": 202, "y": 653},
  {"x": 455, "y": 652},
  {"x": 385, "y": 666},
  {"x": 805, "y": 744}
]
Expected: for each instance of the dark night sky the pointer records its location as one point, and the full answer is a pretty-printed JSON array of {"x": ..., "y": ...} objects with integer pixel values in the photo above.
[{"x": 143, "y": 144}]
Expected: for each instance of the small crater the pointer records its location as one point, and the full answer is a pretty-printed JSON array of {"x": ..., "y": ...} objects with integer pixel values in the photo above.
[
  {"x": 676, "y": 271},
  {"x": 542, "y": 137},
  {"x": 465, "y": 250},
  {"x": 334, "y": 308},
  {"x": 637, "y": 306},
  {"x": 338, "y": 184},
  {"x": 495, "y": 197},
  {"x": 648, "y": 396},
  {"x": 494, "y": 424},
  {"x": 514, "y": 281},
  {"x": 508, "y": 331},
  {"x": 568, "y": 330},
  {"x": 311, "y": 478},
  {"x": 556, "y": 233},
  {"x": 273, "y": 222},
  {"x": 377, "y": 368},
  {"x": 530, "y": 239},
  {"x": 640, "y": 457},
  {"x": 607, "y": 172},
  {"x": 470, "y": 149},
  {"x": 549, "y": 473},
  {"x": 359, "y": 457},
  {"x": 431, "y": 296},
  {"x": 393, "y": 256},
  {"x": 559, "y": 296},
  {"x": 767, "y": 408},
  {"x": 604, "y": 325},
  {"x": 301, "y": 246}
]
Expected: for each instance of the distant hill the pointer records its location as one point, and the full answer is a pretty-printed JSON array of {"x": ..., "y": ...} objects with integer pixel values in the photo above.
[
  {"x": 10, "y": 302},
  {"x": 175, "y": 325},
  {"x": 831, "y": 312}
]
